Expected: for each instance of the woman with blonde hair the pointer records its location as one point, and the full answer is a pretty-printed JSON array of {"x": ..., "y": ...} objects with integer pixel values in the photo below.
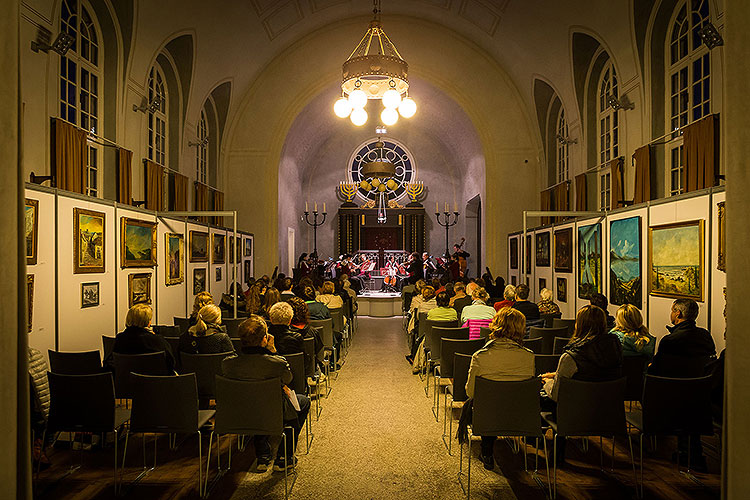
[
  {"x": 478, "y": 314},
  {"x": 629, "y": 328},
  {"x": 139, "y": 338},
  {"x": 328, "y": 297},
  {"x": 509, "y": 298},
  {"x": 201, "y": 299},
  {"x": 208, "y": 335}
]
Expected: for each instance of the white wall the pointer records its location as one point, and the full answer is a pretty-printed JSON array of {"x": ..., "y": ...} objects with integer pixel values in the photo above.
[{"x": 42, "y": 335}]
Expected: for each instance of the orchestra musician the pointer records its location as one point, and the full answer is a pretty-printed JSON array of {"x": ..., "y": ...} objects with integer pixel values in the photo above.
[
  {"x": 414, "y": 268},
  {"x": 461, "y": 256}
]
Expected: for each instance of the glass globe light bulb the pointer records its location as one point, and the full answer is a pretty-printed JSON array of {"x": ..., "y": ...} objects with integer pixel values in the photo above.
[
  {"x": 407, "y": 108},
  {"x": 342, "y": 108},
  {"x": 389, "y": 116},
  {"x": 391, "y": 98},
  {"x": 358, "y": 116},
  {"x": 358, "y": 98}
]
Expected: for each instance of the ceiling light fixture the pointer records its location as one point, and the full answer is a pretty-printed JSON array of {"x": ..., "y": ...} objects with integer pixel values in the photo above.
[{"x": 375, "y": 70}]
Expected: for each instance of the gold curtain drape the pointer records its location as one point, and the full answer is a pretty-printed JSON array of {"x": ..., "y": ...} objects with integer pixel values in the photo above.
[
  {"x": 154, "y": 186},
  {"x": 180, "y": 192},
  {"x": 581, "y": 193},
  {"x": 70, "y": 156},
  {"x": 701, "y": 156},
  {"x": 218, "y": 205},
  {"x": 124, "y": 176},
  {"x": 546, "y": 204},
  {"x": 201, "y": 199},
  {"x": 616, "y": 195},
  {"x": 560, "y": 199},
  {"x": 642, "y": 158}
]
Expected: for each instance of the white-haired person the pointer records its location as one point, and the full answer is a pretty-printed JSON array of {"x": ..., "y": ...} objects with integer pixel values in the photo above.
[
  {"x": 287, "y": 341},
  {"x": 546, "y": 304},
  {"x": 139, "y": 338},
  {"x": 509, "y": 298},
  {"x": 207, "y": 335}
]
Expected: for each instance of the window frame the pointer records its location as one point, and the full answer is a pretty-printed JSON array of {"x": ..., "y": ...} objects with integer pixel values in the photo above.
[
  {"x": 201, "y": 150},
  {"x": 157, "y": 125},
  {"x": 608, "y": 126},
  {"x": 562, "y": 149}
]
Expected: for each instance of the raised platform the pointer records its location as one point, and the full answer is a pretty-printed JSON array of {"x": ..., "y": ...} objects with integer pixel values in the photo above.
[{"x": 379, "y": 304}]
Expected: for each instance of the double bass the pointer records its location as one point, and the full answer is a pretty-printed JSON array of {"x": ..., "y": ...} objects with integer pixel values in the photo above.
[{"x": 461, "y": 257}]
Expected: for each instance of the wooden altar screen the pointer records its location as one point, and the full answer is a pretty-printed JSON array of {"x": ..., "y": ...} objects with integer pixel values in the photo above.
[{"x": 358, "y": 228}]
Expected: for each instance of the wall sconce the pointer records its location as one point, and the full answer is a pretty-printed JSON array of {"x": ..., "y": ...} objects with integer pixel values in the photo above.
[
  {"x": 61, "y": 45},
  {"x": 39, "y": 179},
  {"x": 710, "y": 36},
  {"x": 151, "y": 107},
  {"x": 566, "y": 140},
  {"x": 621, "y": 103}
]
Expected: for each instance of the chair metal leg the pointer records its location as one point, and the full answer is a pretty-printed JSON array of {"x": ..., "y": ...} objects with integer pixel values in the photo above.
[
  {"x": 116, "y": 484},
  {"x": 554, "y": 466},
  {"x": 632, "y": 462}
]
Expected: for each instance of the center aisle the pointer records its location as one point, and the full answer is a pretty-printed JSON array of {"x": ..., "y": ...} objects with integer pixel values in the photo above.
[{"x": 377, "y": 437}]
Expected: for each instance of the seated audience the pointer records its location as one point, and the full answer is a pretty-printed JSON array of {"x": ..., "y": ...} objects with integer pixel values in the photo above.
[
  {"x": 200, "y": 300},
  {"x": 328, "y": 297},
  {"x": 629, "y": 328},
  {"x": 443, "y": 311},
  {"x": 599, "y": 300},
  {"x": 509, "y": 298},
  {"x": 227, "y": 299},
  {"x": 529, "y": 309},
  {"x": 139, "y": 338},
  {"x": 546, "y": 305},
  {"x": 503, "y": 358},
  {"x": 207, "y": 335},
  {"x": 300, "y": 323},
  {"x": 271, "y": 297},
  {"x": 478, "y": 314},
  {"x": 417, "y": 302},
  {"x": 260, "y": 362},
  {"x": 459, "y": 292},
  {"x": 285, "y": 288},
  {"x": 318, "y": 310},
  {"x": 286, "y": 340},
  {"x": 255, "y": 297}
]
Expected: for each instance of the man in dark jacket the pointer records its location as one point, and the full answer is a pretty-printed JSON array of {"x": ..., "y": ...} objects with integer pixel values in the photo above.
[
  {"x": 600, "y": 300},
  {"x": 259, "y": 361},
  {"x": 523, "y": 304},
  {"x": 285, "y": 339}
]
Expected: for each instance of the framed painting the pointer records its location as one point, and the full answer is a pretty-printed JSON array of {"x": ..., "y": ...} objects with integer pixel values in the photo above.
[
  {"x": 88, "y": 241},
  {"x": 513, "y": 242},
  {"x": 675, "y": 260},
  {"x": 248, "y": 270},
  {"x": 722, "y": 253},
  {"x": 199, "y": 281},
  {"x": 542, "y": 249},
  {"x": 218, "y": 274},
  {"x": 589, "y": 260},
  {"x": 513, "y": 280},
  {"x": 542, "y": 284},
  {"x": 564, "y": 250},
  {"x": 562, "y": 290},
  {"x": 89, "y": 295},
  {"x": 248, "y": 247},
  {"x": 218, "y": 242},
  {"x": 30, "y": 299},
  {"x": 198, "y": 246},
  {"x": 137, "y": 243},
  {"x": 31, "y": 227},
  {"x": 625, "y": 281},
  {"x": 231, "y": 251},
  {"x": 175, "y": 258},
  {"x": 527, "y": 254},
  {"x": 139, "y": 289}
]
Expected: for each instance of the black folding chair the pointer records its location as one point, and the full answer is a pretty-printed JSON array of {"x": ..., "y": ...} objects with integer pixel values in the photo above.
[{"x": 75, "y": 363}]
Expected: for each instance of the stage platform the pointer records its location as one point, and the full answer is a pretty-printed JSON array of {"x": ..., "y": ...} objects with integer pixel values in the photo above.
[{"x": 379, "y": 304}]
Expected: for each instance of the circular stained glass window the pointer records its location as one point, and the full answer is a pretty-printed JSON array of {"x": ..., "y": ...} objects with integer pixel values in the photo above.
[{"x": 393, "y": 152}]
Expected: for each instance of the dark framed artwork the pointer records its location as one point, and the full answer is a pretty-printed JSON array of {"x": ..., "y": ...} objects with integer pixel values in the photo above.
[
  {"x": 88, "y": 241},
  {"x": 137, "y": 243},
  {"x": 562, "y": 290},
  {"x": 527, "y": 254},
  {"x": 564, "y": 250},
  {"x": 198, "y": 246},
  {"x": 139, "y": 289},
  {"x": 199, "y": 280},
  {"x": 513, "y": 280},
  {"x": 589, "y": 260},
  {"x": 218, "y": 274},
  {"x": 248, "y": 271},
  {"x": 542, "y": 284},
  {"x": 513, "y": 245},
  {"x": 625, "y": 281},
  {"x": 175, "y": 258},
  {"x": 31, "y": 229},
  {"x": 231, "y": 251},
  {"x": 218, "y": 246},
  {"x": 248, "y": 247},
  {"x": 89, "y": 294},
  {"x": 722, "y": 240},
  {"x": 675, "y": 260},
  {"x": 542, "y": 249},
  {"x": 30, "y": 299}
]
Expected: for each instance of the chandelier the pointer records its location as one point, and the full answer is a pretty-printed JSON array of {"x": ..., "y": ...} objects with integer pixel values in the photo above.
[{"x": 375, "y": 70}]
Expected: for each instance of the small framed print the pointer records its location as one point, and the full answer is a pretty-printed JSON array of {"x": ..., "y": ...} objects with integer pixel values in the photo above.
[
  {"x": 248, "y": 247},
  {"x": 218, "y": 274},
  {"x": 199, "y": 280},
  {"x": 198, "y": 246},
  {"x": 542, "y": 284},
  {"x": 218, "y": 243},
  {"x": 139, "y": 289},
  {"x": 31, "y": 226},
  {"x": 89, "y": 295},
  {"x": 562, "y": 290}
]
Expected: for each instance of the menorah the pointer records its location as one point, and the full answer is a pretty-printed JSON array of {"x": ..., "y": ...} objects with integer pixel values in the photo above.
[
  {"x": 348, "y": 190},
  {"x": 447, "y": 222},
  {"x": 415, "y": 191}
]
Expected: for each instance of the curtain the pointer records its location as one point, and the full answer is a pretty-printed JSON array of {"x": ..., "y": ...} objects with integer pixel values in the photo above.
[
  {"x": 180, "y": 192},
  {"x": 154, "y": 186},
  {"x": 70, "y": 156},
  {"x": 546, "y": 204},
  {"x": 124, "y": 176},
  {"x": 581, "y": 193},
  {"x": 701, "y": 156},
  {"x": 218, "y": 205},
  {"x": 560, "y": 199},
  {"x": 201, "y": 199},
  {"x": 617, "y": 195},
  {"x": 642, "y": 158}
]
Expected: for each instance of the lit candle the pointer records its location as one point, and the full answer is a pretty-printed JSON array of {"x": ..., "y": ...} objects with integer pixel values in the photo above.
[
  {"x": 446, "y": 206},
  {"x": 437, "y": 209},
  {"x": 324, "y": 207},
  {"x": 307, "y": 209},
  {"x": 455, "y": 206},
  {"x": 316, "y": 206}
]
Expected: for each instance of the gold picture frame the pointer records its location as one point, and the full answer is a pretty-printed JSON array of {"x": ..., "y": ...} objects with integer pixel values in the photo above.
[
  {"x": 139, "y": 289},
  {"x": 30, "y": 299},
  {"x": 722, "y": 253},
  {"x": 89, "y": 241},
  {"x": 218, "y": 248},
  {"x": 676, "y": 260},
  {"x": 31, "y": 230},
  {"x": 174, "y": 258},
  {"x": 137, "y": 243}
]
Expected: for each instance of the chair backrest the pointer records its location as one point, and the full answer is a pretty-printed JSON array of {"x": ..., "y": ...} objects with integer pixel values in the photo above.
[
  {"x": 166, "y": 404},
  {"x": 431, "y": 339},
  {"x": 182, "y": 323},
  {"x": 233, "y": 325},
  {"x": 75, "y": 363},
  {"x": 548, "y": 319},
  {"x": 633, "y": 369},
  {"x": 545, "y": 363},
  {"x": 299, "y": 379},
  {"x": 570, "y": 324},
  {"x": 493, "y": 416},
  {"x": 309, "y": 345},
  {"x": 590, "y": 408},
  {"x": 682, "y": 366},
  {"x": 337, "y": 319},
  {"x": 108, "y": 345},
  {"x": 535, "y": 345},
  {"x": 174, "y": 344},
  {"x": 249, "y": 407},
  {"x": 451, "y": 333},
  {"x": 461, "y": 363},
  {"x": 81, "y": 402},
  {"x": 484, "y": 332},
  {"x": 326, "y": 333},
  {"x": 152, "y": 363},
  {"x": 548, "y": 336},
  {"x": 451, "y": 346},
  {"x": 167, "y": 330},
  {"x": 421, "y": 323},
  {"x": 559, "y": 344},
  {"x": 237, "y": 344},
  {"x": 674, "y": 406},
  {"x": 205, "y": 367},
  {"x": 475, "y": 327}
]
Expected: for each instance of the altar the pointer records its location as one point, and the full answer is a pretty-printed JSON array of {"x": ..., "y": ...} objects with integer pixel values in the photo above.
[{"x": 359, "y": 229}]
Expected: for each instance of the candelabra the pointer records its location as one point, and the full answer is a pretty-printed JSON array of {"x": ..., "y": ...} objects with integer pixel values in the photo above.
[
  {"x": 446, "y": 223},
  {"x": 315, "y": 223}
]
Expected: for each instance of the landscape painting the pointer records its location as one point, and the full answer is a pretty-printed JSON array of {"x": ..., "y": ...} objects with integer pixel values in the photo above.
[
  {"x": 625, "y": 282},
  {"x": 198, "y": 246},
  {"x": 589, "y": 260},
  {"x": 139, "y": 289},
  {"x": 199, "y": 281},
  {"x": 248, "y": 247},
  {"x": 676, "y": 260},
  {"x": 514, "y": 253},
  {"x": 542, "y": 249},
  {"x": 564, "y": 250},
  {"x": 137, "y": 243},
  {"x": 175, "y": 258},
  {"x": 218, "y": 244},
  {"x": 88, "y": 241},
  {"x": 31, "y": 227}
]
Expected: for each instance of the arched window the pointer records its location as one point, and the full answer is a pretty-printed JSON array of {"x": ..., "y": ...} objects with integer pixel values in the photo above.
[
  {"x": 81, "y": 81},
  {"x": 201, "y": 153},
  {"x": 562, "y": 147},
  {"x": 608, "y": 127},
  {"x": 688, "y": 80},
  {"x": 157, "y": 118}
]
